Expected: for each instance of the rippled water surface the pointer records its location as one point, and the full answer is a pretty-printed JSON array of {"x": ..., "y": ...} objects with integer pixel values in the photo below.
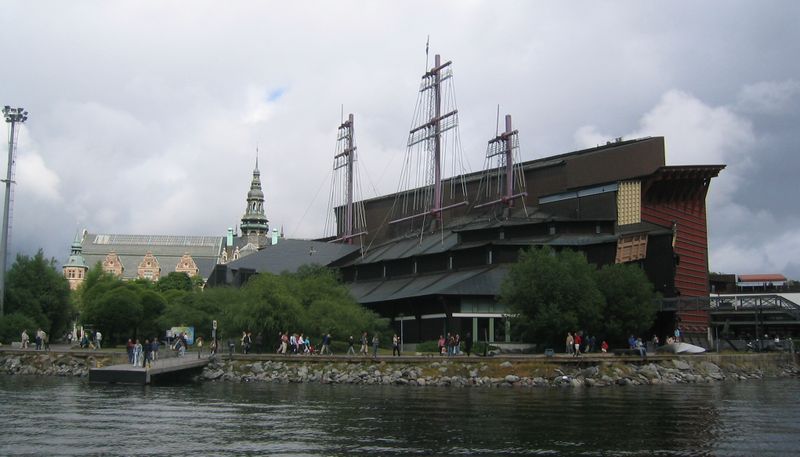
[{"x": 57, "y": 416}]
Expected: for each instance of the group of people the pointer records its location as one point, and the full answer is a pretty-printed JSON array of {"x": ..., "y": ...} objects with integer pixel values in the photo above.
[
  {"x": 299, "y": 343},
  {"x": 89, "y": 342},
  {"x": 451, "y": 345},
  {"x": 142, "y": 355},
  {"x": 636, "y": 344},
  {"x": 41, "y": 340},
  {"x": 577, "y": 344}
]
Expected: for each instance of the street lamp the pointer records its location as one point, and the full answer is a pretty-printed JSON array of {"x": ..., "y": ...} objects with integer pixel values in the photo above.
[{"x": 12, "y": 116}]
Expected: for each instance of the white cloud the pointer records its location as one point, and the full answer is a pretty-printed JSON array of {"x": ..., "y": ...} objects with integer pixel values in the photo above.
[
  {"x": 34, "y": 177},
  {"x": 695, "y": 132}
]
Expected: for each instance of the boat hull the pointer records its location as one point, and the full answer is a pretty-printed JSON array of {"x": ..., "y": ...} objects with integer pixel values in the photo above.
[{"x": 681, "y": 348}]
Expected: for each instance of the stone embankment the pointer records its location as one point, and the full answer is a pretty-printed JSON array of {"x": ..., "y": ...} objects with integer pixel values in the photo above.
[
  {"x": 435, "y": 371},
  {"x": 516, "y": 372},
  {"x": 67, "y": 363}
]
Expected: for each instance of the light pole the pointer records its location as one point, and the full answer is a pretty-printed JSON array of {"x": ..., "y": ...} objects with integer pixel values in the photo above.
[{"x": 13, "y": 116}]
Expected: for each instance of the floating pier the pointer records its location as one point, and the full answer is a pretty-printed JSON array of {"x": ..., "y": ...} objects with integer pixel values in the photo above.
[{"x": 163, "y": 370}]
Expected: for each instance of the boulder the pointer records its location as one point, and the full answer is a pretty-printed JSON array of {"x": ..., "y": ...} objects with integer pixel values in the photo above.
[
  {"x": 681, "y": 365},
  {"x": 650, "y": 371}
]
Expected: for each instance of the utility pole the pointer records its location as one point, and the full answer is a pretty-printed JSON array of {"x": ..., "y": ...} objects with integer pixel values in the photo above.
[{"x": 13, "y": 116}]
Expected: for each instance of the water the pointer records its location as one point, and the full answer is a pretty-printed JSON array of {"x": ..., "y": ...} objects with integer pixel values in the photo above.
[{"x": 58, "y": 416}]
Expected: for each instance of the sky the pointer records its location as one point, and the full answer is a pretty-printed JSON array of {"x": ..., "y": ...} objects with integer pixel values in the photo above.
[{"x": 145, "y": 116}]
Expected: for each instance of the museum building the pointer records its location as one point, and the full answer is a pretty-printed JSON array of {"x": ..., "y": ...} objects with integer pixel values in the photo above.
[{"x": 154, "y": 256}]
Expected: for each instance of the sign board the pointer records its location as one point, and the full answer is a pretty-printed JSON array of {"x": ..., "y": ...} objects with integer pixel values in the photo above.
[
  {"x": 214, "y": 325},
  {"x": 179, "y": 330}
]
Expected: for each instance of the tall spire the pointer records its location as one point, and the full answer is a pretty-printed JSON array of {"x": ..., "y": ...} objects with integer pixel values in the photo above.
[{"x": 254, "y": 221}]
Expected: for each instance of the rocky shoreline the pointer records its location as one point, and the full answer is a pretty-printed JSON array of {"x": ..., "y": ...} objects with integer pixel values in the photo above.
[
  {"x": 433, "y": 371},
  {"x": 491, "y": 373}
]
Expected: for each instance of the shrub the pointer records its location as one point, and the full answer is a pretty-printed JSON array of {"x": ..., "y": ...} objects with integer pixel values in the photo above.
[{"x": 12, "y": 325}]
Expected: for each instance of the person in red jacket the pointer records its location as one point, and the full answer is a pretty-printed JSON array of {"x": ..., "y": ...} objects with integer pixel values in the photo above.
[{"x": 578, "y": 341}]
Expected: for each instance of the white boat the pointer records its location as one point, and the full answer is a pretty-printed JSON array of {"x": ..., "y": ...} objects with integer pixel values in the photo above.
[{"x": 681, "y": 348}]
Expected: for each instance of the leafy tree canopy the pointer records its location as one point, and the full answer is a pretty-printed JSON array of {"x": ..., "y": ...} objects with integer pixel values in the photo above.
[
  {"x": 12, "y": 325},
  {"x": 34, "y": 288},
  {"x": 116, "y": 312},
  {"x": 552, "y": 293},
  {"x": 312, "y": 301},
  {"x": 175, "y": 281},
  {"x": 629, "y": 306}
]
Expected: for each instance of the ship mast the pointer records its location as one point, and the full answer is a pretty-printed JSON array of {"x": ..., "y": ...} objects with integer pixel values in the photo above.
[
  {"x": 502, "y": 148},
  {"x": 344, "y": 160},
  {"x": 432, "y": 124}
]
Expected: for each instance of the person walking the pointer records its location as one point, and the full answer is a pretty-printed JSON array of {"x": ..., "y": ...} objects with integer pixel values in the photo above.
[
  {"x": 154, "y": 346},
  {"x": 199, "y": 345},
  {"x": 442, "y": 342},
  {"x": 147, "y": 353},
  {"x": 98, "y": 337},
  {"x": 375, "y": 342},
  {"x": 284, "y": 342},
  {"x": 24, "y": 339},
  {"x": 137, "y": 353},
  {"x": 364, "y": 344},
  {"x": 570, "y": 343},
  {"x": 326, "y": 341},
  {"x": 129, "y": 349},
  {"x": 38, "y": 339},
  {"x": 350, "y": 349},
  {"x": 396, "y": 345},
  {"x": 578, "y": 340},
  {"x": 247, "y": 342}
]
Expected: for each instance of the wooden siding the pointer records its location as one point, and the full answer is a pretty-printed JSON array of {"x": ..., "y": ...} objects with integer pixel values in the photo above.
[{"x": 691, "y": 243}]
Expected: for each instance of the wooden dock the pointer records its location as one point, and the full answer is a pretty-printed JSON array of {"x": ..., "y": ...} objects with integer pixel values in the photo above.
[{"x": 163, "y": 370}]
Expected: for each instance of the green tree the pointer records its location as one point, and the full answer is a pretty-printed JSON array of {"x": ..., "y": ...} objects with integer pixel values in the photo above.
[
  {"x": 552, "y": 293},
  {"x": 197, "y": 309},
  {"x": 266, "y": 306},
  {"x": 96, "y": 283},
  {"x": 328, "y": 305},
  {"x": 175, "y": 281},
  {"x": 629, "y": 306},
  {"x": 12, "y": 325},
  {"x": 312, "y": 301},
  {"x": 153, "y": 305},
  {"x": 116, "y": 312},
  {"x": 34, "y": 288}
]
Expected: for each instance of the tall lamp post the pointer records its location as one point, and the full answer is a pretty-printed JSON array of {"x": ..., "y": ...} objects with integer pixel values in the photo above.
[{"x": 13, "y": 116}]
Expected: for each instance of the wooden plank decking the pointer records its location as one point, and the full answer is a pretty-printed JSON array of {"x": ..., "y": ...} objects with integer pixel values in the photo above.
[{"x": 162, "y": 369}]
